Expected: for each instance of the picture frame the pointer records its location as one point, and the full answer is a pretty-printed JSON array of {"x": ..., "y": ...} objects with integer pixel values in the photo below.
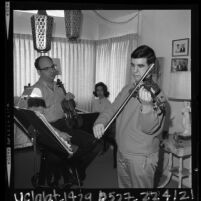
[
  {"x": 179, "y": 64},
  {"x": 180, "y": 47}
]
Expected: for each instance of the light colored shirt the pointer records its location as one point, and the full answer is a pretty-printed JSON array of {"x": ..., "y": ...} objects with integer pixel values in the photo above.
[
  {"x": 52, "y": 98},
  {"x": 99, "y": 105},
  {"x": 52, "y": 112},
  {"x": 136, "y": 132}
]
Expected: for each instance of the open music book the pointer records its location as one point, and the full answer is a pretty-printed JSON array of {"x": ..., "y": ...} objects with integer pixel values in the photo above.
[{"x": 45, "y": 134}]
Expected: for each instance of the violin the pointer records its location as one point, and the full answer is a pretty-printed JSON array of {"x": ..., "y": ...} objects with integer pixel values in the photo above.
[
  {"x": 73, "y": 120},
  {"x": 158, "y": 100}
]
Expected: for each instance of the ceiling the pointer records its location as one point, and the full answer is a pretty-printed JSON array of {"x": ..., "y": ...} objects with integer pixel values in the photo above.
[{"x": 109, "y": 14}]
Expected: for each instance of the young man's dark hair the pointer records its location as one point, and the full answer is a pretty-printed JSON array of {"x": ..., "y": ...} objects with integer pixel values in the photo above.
[
  {"x": 36, "y": 63},
  {"x": 144, "y": 51},
  {"x": 105, "y": 91}
]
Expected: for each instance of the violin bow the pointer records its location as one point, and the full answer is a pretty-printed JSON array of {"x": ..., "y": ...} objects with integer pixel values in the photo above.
[{"x": 128, "y": 98}]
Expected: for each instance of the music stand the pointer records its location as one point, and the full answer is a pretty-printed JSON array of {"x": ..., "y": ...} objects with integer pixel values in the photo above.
[{"x": 38, "y": 129}]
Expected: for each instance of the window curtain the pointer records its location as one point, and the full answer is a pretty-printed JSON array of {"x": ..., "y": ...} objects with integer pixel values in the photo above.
[
  {"x": 113, "y": 62},
  {"x": 77, "y": 66},
  {"x": 23, "y": 56},
  {"x": 82, "y": 64}
]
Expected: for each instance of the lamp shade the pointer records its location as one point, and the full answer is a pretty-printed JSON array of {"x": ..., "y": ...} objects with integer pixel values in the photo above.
[
  {"x": 180, "y": 85},
  {"x": 41, "y": 25},
  {"x": 73, "y": 21}
]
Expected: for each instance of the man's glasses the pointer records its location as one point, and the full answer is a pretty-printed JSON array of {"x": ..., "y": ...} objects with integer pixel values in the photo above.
[{"x": 54, "y": 66}]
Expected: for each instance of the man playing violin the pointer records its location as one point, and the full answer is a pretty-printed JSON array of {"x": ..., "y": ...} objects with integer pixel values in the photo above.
[
  {"x": 137, "y": 126},
  {"x": 53, "y": 95}
]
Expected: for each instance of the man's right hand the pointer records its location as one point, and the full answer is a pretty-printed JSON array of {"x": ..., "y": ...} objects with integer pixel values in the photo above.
[
  {"x": 64, "y": 135},
  {"x": 98, "y": 130}
]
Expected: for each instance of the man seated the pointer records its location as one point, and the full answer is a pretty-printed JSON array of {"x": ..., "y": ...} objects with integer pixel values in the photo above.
[
  {"x": 53, "y": 95},
  {"x": 57, "y": 166}
]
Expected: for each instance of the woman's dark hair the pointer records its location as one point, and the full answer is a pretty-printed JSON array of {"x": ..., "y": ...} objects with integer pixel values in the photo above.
[
  {"x": 36, "y": 63},
  {"x": 105, "y": 91},
  {"x": 144, "y": 51}
]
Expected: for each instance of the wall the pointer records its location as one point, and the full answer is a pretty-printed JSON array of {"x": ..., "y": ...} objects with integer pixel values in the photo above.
[
  {"x": 157, "y": 29},
  {"x": 109, "y": 30},
  {"x": 22, "y": 24},
  {"x": 93, "y": 28}
]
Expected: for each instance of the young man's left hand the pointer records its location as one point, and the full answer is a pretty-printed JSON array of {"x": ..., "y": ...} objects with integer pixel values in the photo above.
[
  {"x": 145, "y": 96},
  {"x": 146, "y": 100}
]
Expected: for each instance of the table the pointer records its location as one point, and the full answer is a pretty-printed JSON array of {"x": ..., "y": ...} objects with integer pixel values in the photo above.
[{"x": 182, "y": 151}]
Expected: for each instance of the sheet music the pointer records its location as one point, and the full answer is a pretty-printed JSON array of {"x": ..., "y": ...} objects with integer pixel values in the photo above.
[{"x": 64, "y": 143}]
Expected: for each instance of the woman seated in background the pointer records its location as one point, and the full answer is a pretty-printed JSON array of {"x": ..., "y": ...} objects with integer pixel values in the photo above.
[{"x": 101, "y": 102}]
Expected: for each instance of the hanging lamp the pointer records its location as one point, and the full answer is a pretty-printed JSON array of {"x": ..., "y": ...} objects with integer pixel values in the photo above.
[
  {"x": 41, "y": 25},
  {"x": 73, "y": 22}
]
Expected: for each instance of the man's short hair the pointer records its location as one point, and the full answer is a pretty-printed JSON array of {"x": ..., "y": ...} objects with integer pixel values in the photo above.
[
  {"x": 144, "y": 51},
  {"x": 36, "y": 63}
]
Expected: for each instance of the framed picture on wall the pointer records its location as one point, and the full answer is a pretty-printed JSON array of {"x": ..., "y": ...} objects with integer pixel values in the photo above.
[
  {"x": 179, "y": 64},
  {"x": 180, "y": 47}
]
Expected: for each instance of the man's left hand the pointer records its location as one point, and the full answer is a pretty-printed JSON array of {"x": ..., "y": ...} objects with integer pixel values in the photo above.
[
  {"x": 69, "y": 96},
  {"x": 146, "y": 100}
]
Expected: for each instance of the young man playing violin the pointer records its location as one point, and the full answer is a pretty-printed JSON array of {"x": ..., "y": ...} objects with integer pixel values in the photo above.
[
  {"x": 53, "y": 95},
  {"x": 137, "y": 126}
]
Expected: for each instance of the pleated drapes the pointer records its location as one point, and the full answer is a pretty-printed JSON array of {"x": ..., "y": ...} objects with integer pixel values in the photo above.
[
  {"x": 82, "y": 64},
  {"x": 113, "y": 62}
]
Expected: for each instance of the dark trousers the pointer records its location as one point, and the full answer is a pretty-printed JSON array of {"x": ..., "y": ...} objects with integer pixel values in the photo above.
[
  {"x": 89, "y": 146},
  {"x": 53, "y": 168}
]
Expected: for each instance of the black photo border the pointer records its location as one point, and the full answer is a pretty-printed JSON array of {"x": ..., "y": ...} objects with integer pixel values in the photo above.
[{"x": 8, "y": 87}]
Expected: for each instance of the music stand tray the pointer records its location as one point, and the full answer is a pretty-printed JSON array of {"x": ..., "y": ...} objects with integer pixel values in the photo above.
[{"x": 42, "y": 131}]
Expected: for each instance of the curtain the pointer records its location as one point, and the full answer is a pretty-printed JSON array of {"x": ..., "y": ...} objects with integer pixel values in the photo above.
[
  {"x": 113, "y": 62},
  {"x": 77, "y": 66},
  {"x": 24, "y": 57},
  {"x": 82, "y": 64}
]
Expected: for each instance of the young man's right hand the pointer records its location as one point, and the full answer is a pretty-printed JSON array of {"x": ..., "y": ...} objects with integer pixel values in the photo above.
[{"x": 98, "y": 130}]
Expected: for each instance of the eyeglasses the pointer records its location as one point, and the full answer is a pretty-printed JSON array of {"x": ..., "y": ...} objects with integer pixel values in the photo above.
[{"x": 54, "y": 66}]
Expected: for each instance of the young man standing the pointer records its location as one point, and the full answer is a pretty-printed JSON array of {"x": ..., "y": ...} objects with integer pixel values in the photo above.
[{"x": 137, "y": 127}]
